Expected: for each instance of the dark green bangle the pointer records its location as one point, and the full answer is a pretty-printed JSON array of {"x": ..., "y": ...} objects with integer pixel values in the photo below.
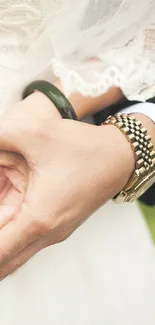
[{"x": 55, "y": 95}]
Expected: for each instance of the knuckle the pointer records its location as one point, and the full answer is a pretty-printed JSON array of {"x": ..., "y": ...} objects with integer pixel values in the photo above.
[
  {"x": 44, "y": 224},
  {"x": 57, "y": 236},
  {"x": 38, "y": 222},
  {"x": 62, "y": 238}
]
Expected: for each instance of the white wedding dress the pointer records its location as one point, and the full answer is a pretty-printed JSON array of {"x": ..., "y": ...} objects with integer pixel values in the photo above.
[{"x": 104, "y": 274}]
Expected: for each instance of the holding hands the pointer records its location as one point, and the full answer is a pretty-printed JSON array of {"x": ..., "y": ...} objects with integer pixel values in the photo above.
[{"x": 54, "y": 174}]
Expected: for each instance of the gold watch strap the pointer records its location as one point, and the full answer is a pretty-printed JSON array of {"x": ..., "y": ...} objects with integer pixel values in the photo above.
[{"x": 140, "y": 142}]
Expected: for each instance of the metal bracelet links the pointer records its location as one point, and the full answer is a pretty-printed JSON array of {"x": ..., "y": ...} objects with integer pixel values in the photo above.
[
  {"x": 139, "y": 139},
  {"x": 144, "y": 175}
]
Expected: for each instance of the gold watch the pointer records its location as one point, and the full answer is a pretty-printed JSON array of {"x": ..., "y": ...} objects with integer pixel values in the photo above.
[{"x": 144, "y": 175}]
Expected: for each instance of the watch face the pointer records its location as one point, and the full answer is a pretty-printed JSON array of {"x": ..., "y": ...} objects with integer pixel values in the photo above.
[{"x": 141, "y": 188}]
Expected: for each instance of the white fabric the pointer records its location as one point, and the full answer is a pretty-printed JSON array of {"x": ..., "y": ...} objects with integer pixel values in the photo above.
[
  {"x": 147, "y": 109},
  {"x": 104, "y": 274},
  {"x": 90, "y": 44}
]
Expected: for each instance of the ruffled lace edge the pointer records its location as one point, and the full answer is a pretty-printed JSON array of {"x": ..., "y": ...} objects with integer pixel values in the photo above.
[{"x": 136, "y": 79}]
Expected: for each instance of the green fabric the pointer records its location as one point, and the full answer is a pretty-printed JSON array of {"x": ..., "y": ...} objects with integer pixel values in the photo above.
[{"x": 149, "y": 214}]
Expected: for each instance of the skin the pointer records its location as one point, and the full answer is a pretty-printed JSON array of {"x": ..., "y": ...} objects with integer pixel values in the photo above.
[{"x": 47, "y": 166}]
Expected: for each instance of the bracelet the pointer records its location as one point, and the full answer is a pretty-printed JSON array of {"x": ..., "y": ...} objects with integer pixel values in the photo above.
[
  {"x": 55, "y": 95},
  {"x": 144, "y": 175}
]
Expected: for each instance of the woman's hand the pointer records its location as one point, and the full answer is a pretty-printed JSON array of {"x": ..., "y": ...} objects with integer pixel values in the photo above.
[{"x": 54, "y": 174}]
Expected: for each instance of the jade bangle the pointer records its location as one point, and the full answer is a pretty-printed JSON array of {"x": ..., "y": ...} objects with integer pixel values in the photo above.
[{"x": 55, "y": 95}]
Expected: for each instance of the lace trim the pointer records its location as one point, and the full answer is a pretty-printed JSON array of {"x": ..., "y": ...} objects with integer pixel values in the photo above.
[
  {"x": 60, "y": 36},
  {"x": 136, "y": 78}
]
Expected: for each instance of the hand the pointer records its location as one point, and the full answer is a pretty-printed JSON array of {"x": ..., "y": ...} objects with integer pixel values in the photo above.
[{"x": 54, "y": 173}]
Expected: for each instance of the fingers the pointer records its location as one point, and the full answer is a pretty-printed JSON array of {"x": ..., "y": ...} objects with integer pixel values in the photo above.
[
  {"x": 10, "y": 159},
  {"x": 15, "y": 236},
  {"x": 21, "y": 258},
  {"x": 6, "y": 214}
]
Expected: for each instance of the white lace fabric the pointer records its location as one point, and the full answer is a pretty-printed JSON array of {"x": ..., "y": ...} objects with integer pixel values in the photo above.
[{"x": 91, "y": 45}]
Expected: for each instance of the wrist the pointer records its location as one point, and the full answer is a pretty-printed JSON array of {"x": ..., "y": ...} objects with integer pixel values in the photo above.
[
  {"x": 83, "y": 105},
  {"x": 120, "y": 158},
  {"x": 40, "y": 106},
  {"x": 86, "y": 105}
]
